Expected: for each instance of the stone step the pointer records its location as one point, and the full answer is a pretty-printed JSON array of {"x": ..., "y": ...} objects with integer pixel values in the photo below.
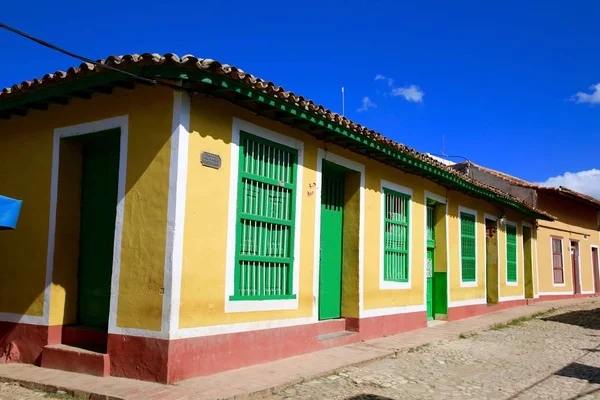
[
  {"x": 75, "y": 359},
  {"x": 335, "y": 335},
  {"x": 331, "y": 325}
]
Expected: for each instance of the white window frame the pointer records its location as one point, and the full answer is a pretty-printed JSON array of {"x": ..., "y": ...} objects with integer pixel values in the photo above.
[
  {"x": 562, "y": 247},
  {"x": 516, "y": 225},
  {"x": 390, "y": 285},
  {"x": 232, "y": 306},
  {"x": 471, "y": 211}
]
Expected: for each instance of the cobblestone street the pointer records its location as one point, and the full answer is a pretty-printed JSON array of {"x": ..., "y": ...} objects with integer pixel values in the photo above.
[{"x": 553, "y": 357}]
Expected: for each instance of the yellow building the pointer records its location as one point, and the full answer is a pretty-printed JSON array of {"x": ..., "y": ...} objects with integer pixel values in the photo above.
[
  {"x": 567, "y": 248},
  {"x": 201, "y": 219}
]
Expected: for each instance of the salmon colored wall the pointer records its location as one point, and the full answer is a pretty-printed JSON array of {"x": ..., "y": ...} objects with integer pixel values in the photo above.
[
  {"x": 574, "y": 221},
  {"x": 25, "y": 169}
]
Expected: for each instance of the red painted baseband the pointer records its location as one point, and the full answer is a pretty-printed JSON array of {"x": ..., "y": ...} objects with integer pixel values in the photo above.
[
  {"x": 563, "y": 296},
  {"x": 25, "y": 342},
  {"x": 210, "y": 354},
  {"x": 387, "y": 325},
  {"x": 455, "y": 313},
  {"x": 171, "y": 361}
]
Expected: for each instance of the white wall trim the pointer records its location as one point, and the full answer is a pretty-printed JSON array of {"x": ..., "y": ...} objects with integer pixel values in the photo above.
[
  {"x": 587, "y": 292},
  {"x": 121, "y": 123},
  {"x": 326, "y": 155},
  {"x": 462, "y": 209},
  {"x": 380, "y": 312},
  {"x": 470, "y": 302},
  {"x": 22, "y": 319},
  {"x": 260, "y": 305},
  {"x": 570, "y": 293},
  {"x": 178, "y": 170},
  {"x": 516, "y": 226},
  {"x": 562, "y": 247},
  {"x": 390, "y": 285},
  {"x": 511, "y": 298},
  {"x": 212, "y": 330}
]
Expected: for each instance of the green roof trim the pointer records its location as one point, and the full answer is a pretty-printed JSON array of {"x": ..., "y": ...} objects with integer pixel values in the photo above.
[{"x": 91, "y": 81}]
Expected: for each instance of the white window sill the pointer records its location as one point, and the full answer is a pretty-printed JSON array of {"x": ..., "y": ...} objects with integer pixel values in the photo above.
[
  {"x": 232, "y": 306},
  {"x": 388, "y": 285},
  {"x": 468, "y": 284}
]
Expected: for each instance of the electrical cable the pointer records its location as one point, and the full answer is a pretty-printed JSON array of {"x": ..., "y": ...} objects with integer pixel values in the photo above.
[{"x": 70, "y": 54}]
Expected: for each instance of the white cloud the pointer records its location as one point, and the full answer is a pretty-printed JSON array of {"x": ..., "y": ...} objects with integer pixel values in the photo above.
[
  {"x": 410, "y": 93},
  {"x": 587, "y": 182},
  {"x": 592, "y": 98},
  {"x": 366, "y": 104},
  {"x": 389, "y": 81}
]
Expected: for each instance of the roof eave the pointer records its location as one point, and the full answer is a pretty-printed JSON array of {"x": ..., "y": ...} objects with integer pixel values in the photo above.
[{"x": 202, "y": 81}]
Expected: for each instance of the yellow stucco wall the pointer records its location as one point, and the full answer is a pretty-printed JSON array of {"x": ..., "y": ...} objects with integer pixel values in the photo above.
[
  {"x": 574, "y": 222},
  {"x": 25, "y": 170},
  {"x": 205, "y": 238},
  {"x": 203, "y": 276}
]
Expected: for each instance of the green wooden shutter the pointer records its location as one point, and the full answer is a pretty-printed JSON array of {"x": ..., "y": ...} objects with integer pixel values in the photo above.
[
  {"x": 511, "y": 253},
  {"x": 265, "y": 220},
  {"x": 467, "y": 246},
  {"x": 396, "y": 232}
]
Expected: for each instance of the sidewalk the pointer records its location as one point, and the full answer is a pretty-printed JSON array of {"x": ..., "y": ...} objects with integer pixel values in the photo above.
[{"x": 265, "y": 378}]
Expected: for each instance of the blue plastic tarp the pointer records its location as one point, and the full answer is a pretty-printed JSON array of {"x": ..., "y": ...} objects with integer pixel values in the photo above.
[{"x": 9, "y": 212}]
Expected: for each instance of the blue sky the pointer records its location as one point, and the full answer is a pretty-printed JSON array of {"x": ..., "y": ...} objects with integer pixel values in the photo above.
[{"x": 498, "y": 82}]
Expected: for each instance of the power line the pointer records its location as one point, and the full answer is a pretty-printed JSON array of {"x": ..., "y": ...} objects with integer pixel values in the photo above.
[
  {"x": 447, "y": 156},
  {"x": 70, "y": 54}
]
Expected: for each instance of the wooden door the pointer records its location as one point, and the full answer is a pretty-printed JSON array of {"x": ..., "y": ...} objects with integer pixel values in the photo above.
[
  {"x": 491, "y": 266},
  {"x": 332, "y": 221},
  {"x": 528, "y": 264},
  {"x": 575, "y": 266},
  {"x": 99, "y": 188}
]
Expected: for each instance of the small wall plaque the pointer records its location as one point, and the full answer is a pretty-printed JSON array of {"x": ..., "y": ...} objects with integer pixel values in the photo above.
[{"x": 210, "y": 160}]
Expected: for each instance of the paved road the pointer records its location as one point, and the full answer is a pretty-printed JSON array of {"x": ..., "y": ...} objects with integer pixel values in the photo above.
[{"x": 554, "y": 357}]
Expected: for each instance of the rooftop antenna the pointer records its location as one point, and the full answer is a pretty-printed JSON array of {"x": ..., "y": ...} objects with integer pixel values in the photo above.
[
  {"x": 342, "y": 101},
  {"x": 444, "y": 146}
]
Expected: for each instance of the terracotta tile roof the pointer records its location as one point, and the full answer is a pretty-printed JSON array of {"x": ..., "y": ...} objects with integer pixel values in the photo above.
[
  {"x": 509, "y": 178},
  {"x": 190, "y": 61},
  {"x": 561, "y": 190},
  {"x": 566, "y": 192}
]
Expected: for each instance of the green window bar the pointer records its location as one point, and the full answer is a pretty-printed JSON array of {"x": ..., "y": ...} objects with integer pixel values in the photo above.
[
  {"x": 511, "y": 253},
  {"x": 396, "y": 232},
  {"x": 467, "y": 245},
  {"x": 265, "y": 220},
  {"x": 430, "y": 225}
]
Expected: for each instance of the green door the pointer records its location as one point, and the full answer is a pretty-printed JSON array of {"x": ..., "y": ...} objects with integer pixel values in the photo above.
[
  {"x": 430, "y": 258},
  {"x": 332, "y": 221},
  {"x": 99, "y": 185},
  {"x": 429, "y": 272}
]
